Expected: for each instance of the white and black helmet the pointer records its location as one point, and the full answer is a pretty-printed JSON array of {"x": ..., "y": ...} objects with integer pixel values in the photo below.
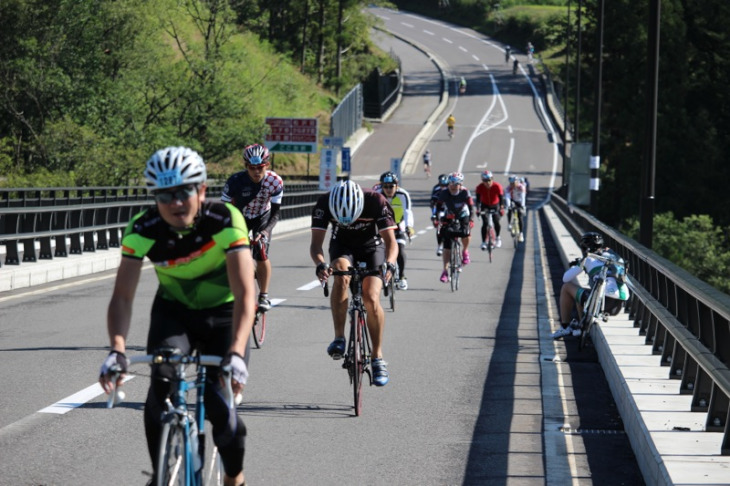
[
  {"x": 346, "y": 202},
  {"x": 174, "y": 166}
]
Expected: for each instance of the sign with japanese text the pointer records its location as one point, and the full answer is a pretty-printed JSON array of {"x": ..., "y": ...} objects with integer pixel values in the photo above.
[{"x": 292, "y": 135}]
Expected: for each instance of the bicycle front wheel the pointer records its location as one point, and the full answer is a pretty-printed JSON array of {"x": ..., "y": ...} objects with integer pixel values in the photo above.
[
  {"x": 455, "y": 265},
  {"x": 391, "y": 293},
  {"x": 591, "y": 311},
  {"x": 171, "y": 459},
  {"x": 491, "y": 241},
  {"x": 358, "y": 359},
  {"x": 259, "y": 329}
]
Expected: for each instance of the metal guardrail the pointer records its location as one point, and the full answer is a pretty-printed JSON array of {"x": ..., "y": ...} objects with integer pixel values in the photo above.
[
  {"x": 684, "y": 320},
  {"x": 92, "y": 218}
]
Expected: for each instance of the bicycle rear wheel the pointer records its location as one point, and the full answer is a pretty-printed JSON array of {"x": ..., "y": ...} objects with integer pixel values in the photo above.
[
  {"x": 259, "y": 328},
  {"x": 171, "y": 460},
  {"x": 590, "y": 314},
  {"x": 358, "y": 358}
]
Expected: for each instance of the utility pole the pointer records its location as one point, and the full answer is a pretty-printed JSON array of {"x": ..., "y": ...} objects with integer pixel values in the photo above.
[
  {"x": 596, "y": 157},
  {"x": 646, "y": 208},
  {"x": 565, "y": 101}
]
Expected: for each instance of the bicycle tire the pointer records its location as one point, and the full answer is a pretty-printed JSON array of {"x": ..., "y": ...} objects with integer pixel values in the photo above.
[
  {"x": 358, "y": 361},
  {"x": 515, "y": 229},
  {"x": 491, "y": 241},
  {"x": 171, "y": 459},
  {"x": 592, "y": 309},
  {"x": 259, "y": 329},
  {"x": 391, "y": 293},
  {"x": 455, "y": 264}
]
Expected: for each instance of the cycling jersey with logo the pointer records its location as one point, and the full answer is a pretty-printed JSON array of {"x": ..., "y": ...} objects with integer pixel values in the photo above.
[
  {"x": 377, "y": 215},
  {"x": 253, "y": 199},
  {"x": 190, "y": 265}
]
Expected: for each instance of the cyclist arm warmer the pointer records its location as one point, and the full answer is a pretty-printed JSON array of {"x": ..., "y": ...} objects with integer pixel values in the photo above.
[{"x": 273, "y": 219}]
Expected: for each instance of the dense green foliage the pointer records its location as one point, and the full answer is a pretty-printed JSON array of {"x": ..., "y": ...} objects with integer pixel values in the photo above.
[
  {"x": 91, "y": 88},
  {"x": 693, "y": 243}
]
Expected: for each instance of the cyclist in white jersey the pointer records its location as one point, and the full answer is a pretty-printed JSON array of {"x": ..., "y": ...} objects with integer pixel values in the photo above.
[{"x": 516, "y": 193}]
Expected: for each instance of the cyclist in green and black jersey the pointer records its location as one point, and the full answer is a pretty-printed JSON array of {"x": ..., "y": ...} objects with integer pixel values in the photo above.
[{"x": 205, "y": 300}]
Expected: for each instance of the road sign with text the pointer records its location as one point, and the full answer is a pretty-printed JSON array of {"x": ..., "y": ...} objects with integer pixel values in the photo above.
[{"x": 292, "y": 135}]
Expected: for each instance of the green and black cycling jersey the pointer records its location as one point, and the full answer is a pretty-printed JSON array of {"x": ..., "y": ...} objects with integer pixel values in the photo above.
[{"x": 190, "y": 264}]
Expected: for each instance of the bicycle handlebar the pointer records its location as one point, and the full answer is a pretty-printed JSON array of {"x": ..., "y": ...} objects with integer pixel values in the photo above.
[{"x": 117, "y": 396}]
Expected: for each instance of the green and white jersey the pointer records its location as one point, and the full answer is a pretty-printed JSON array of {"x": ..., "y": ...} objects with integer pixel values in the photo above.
[{"x": 190, "y": 264}]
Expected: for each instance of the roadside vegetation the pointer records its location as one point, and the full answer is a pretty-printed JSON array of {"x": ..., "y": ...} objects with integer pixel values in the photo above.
[
  {"x": 692, "y": 222},
  {"x": 90, "y": 89}
]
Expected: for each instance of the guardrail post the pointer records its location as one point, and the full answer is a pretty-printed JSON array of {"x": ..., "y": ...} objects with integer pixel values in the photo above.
[{"x": 718, "y": 410}]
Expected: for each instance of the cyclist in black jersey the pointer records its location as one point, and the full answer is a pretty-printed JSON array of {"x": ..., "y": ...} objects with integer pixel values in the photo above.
[
  {"x": 206, "y": 297},
  {"x": 257, "y": 192},
  {"x": 363, "y": 230},
  {"x": 443, "y": 183}
]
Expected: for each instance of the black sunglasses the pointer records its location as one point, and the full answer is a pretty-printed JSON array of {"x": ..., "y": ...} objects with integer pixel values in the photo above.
[
  {"x": 181, "y": 194},
  {"x": 388, "y": 186}
]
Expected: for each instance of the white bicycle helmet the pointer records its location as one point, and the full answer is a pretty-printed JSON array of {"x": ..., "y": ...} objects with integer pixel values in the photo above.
[
  {"x": 174, "y": 166},
  {"x": 346, "y": 202}
]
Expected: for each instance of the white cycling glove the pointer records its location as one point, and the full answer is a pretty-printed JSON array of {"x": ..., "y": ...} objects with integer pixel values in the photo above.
[
  {"x": 237, "y": 366},
  {"x": 116, "y": 361}
]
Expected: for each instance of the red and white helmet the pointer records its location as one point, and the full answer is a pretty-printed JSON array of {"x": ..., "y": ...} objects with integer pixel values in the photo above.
[{"x": 256, "y": 154}]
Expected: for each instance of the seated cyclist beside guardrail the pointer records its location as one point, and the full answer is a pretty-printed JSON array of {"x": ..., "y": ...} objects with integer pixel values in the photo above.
[{"x": 571, "y": 293}]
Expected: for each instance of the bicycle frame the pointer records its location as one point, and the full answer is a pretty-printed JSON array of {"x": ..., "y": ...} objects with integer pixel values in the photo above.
[{"x": 178, "y": 414}]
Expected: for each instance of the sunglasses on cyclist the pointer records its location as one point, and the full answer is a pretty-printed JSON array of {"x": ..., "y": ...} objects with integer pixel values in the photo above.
[
  {"x": 181, "y": 194},
  {"x": 388, "y": 186},
  {"x": 256, "y": 167}
]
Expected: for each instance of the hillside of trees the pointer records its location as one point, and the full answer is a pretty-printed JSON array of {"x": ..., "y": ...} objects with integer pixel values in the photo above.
[{"x": 91, "y": 88}]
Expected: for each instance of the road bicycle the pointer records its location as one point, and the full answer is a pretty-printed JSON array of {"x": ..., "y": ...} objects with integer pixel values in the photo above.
[
  {"x": 181, "y": 454},
  {"x": 453, "y": 231},
  {"x": 359, "y": 350},
  {"x": 594, "y": 307},
  {"x": 491, "y": 237},
  {"x": 514, "y": 224}
]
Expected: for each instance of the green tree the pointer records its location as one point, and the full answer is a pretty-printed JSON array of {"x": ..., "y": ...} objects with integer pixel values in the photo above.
[{"x": 693, "y": 243}]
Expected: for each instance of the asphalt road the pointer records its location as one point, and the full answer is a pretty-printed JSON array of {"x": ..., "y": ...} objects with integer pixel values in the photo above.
[{"x": 474, "y": 375}]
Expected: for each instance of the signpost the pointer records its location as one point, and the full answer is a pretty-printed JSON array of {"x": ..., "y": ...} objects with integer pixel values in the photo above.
[{"x": 298, "y": 135}]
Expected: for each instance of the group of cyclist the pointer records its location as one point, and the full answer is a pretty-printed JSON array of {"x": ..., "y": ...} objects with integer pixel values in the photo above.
[{"x": 209, "y": 257}]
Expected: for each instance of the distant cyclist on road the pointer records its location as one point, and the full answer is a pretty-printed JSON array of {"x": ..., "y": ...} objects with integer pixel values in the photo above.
[
  {"x": 454, "y": 209},
  {"x": 206, "y": 295},
  {"x": 490, "y": 195},
  {"x": 427, "y": 163},
  {"x": 516, "y": 195},
  {"x": 572, "y": 294},
  {"x": 363, "y": 230},
  {"x": 450, "y": 124},
  {"x": 257, "y": 193},
  {"x": 400, "y": 201}
]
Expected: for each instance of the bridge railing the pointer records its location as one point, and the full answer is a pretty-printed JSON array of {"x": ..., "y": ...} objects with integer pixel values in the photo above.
[
  {"x": 684, "y": 320},
  {"x": 85, "y": 219}
]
